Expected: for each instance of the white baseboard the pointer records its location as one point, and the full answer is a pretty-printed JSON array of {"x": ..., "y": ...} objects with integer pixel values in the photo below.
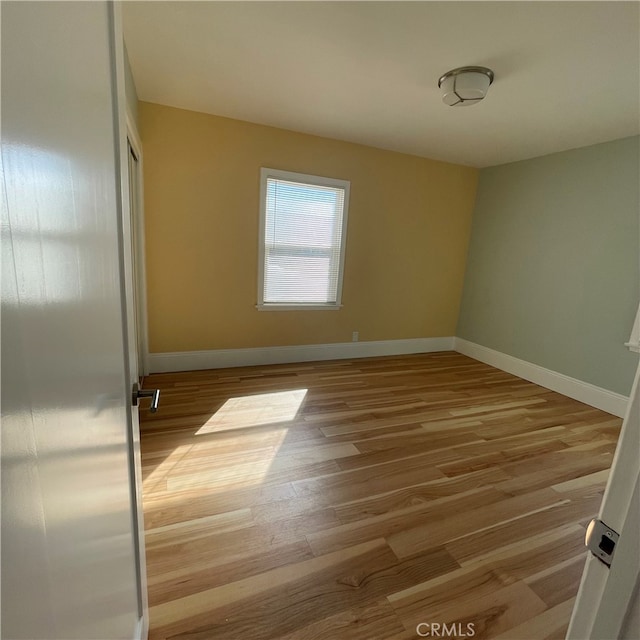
[
  {"x": 223, "y": 358},
  {"x": 603, "y": 399}
]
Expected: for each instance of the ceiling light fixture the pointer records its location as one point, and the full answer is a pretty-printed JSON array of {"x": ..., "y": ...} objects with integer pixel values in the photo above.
[{"x": 465, "y": 86}]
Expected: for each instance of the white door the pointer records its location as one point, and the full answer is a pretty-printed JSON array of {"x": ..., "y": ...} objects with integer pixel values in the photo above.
[
  {"x": 606, "y": 606},
  {"x": 71, "y": 554}
]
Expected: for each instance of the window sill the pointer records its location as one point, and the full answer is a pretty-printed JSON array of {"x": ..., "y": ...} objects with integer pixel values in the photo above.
[{"x": 298, "y": 307}]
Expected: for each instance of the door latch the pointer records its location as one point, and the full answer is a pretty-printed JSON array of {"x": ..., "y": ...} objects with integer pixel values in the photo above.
[
  {"x": 601, "y": 540},
  {"x": 138, "y": 393}
]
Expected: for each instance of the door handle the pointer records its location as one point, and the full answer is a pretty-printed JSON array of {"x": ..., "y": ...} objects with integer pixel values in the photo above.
[{"x": 138, "y": 393}]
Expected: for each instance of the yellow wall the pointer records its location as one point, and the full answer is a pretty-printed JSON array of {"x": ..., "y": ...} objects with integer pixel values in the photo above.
[{"x": 408, "y": 231}]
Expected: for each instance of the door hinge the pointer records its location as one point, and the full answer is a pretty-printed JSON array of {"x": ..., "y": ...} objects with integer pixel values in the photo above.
[{"x": 601, "y": 540}]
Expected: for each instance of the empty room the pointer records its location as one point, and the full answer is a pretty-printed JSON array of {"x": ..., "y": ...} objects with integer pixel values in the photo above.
[{"x": 320, "y": 320}]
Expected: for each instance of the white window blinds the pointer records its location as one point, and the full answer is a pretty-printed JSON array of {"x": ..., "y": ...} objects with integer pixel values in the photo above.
[{"x": 303, "y": 239}]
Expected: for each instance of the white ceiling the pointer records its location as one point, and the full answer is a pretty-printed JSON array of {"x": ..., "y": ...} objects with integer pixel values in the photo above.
[{"x": 567, "y": 74}]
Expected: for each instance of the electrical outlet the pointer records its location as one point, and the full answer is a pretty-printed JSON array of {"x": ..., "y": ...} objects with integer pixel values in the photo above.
[{"x": 355, "y": 336}]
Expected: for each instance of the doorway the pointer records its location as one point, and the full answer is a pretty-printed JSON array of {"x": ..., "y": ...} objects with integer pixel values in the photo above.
[{"x": 136, "y": 222}]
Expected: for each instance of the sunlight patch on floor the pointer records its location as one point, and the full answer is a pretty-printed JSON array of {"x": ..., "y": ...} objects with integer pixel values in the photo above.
[
  {"x": 151, "y": 481},
  {"x": 189, "y": 467},
  {"x": 255, "y": 410}
]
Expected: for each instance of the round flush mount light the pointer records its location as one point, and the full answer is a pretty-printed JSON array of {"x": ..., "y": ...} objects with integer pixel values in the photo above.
[{"x": 465, "y": 86}]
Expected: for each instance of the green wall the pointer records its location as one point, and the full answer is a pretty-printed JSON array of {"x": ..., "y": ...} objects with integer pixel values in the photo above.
[{"x": 553, "y": 267}]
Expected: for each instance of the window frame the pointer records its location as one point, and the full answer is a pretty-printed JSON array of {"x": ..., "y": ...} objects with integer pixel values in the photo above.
[{"x": 304, "y": 179}]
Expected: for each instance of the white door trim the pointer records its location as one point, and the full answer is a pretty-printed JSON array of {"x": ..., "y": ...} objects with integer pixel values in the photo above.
[
  {"x": 126, "y": 287},
  {"x": 139, "y": 248},
  {"x": 605, "y": 593}
]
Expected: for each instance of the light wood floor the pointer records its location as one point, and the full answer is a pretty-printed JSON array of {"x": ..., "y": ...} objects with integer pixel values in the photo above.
[{"x": 356, "y": 499}]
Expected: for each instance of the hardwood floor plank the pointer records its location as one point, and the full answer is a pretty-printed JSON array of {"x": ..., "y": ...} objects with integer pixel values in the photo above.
[
  {"x": 551, "y": 624},
  {"x": 559, "y": 583},
  {"x": 490, "y": 408},
  {"x": 428, "y": 457},
  {"x": 351, "y": 485},
  {"x": 251, "y": 473},
  {"x": 597, "y": 479},
  {"x": 468, "y": 548},
  {"x": 444, "y": 422},
  {"x": 163, "y": 507},
  {"x": 256, "y": 538},
  {"x": 521, "y": 560},
  {"x": 485, "y": 616},
  {"x": 388, "y": 502},
  {"x": 459, "y": 586},
  {"x": 455, "y": 524},
  {"x": 391, "y": 525},
  {"x": 551, "y": 470},
  {"x": 372, "y": 620},
  {"x": 412, "y": 440},
  {"x": 188, "y": 580},
  {"x": 186, "y": 530}
]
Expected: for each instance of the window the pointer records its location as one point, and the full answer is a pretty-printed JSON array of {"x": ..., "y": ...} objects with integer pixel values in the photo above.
[{"x": 303, "y": 222}]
